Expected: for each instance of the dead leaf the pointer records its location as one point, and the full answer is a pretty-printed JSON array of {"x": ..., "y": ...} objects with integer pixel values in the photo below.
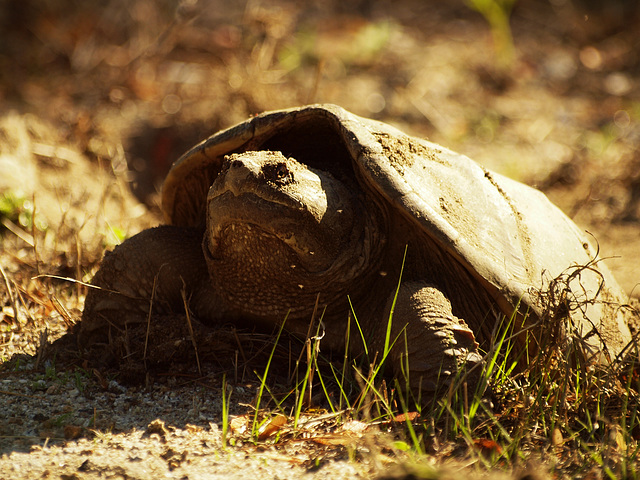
[
  {"x": 487, "y": 446},
  {"x": 345, "y": 439},
  {"x": 616, "y": 439},
  {"x": 271, "y": 427},
  {"x": 556, "y": 437},
  {"x": 403, "y": 417}
]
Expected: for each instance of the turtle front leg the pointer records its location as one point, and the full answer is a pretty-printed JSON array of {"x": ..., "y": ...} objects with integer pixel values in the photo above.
[
  {"x": 436, "y": 346},
  {"x": 155, "y": 267}
]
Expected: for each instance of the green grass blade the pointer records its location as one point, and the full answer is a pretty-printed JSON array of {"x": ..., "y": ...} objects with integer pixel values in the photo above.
[{"x": 263, "y": 381}]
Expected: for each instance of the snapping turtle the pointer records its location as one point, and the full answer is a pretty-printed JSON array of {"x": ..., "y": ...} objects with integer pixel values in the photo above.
[{"x": 315, "y": 205}]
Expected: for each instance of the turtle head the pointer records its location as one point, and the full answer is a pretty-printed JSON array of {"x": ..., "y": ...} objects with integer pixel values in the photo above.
[{"x": 278, "y": 230}]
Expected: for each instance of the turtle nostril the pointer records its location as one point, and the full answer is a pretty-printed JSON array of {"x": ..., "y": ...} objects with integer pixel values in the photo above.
[
  {"x": 229, "y": 163},
  {"x": 278, "y": 173},
  {"x": 281, "y": 170}
]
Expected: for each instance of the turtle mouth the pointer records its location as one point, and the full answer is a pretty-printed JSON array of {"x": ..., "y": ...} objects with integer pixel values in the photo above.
[
  {"x": 278, "y": 216},
  {"x": 254, "y": 198}
]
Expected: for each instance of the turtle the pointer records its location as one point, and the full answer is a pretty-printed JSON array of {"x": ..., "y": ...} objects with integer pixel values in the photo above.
[{"x": 315, "y": 209}]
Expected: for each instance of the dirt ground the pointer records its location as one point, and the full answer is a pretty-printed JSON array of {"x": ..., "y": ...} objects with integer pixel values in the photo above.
[{"x": 97, "y": 99}]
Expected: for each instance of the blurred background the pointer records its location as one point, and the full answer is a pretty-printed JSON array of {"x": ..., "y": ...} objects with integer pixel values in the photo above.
[{"x": 544, "y": 91}]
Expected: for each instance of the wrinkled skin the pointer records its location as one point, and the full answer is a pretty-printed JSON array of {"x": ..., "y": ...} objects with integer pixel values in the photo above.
[{"x": 279, "y": 238}]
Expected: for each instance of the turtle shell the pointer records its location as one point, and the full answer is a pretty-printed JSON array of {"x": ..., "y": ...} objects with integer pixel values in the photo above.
[{"x": 519, "y": 246}]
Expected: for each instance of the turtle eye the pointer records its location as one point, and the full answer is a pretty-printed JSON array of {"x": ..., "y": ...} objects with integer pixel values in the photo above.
[{"x": 282, "y": 171}]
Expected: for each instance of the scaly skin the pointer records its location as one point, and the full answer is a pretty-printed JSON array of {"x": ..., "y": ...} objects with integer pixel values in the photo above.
[{"x": 171, "y": 257}]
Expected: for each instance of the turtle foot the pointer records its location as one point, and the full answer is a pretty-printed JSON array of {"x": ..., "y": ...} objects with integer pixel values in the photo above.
[
  {"x": 153, "y": 271},
  {"x": 433, "y": 350}
]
